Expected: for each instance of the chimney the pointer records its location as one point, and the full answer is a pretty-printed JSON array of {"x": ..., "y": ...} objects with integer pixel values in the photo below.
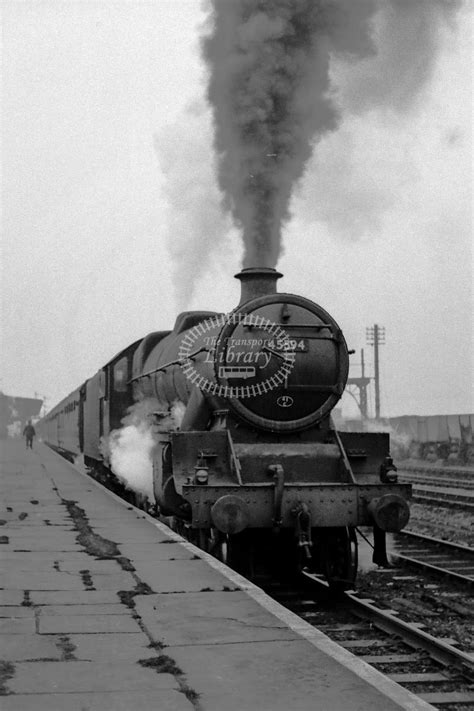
[{"x": 257, "y": 281}]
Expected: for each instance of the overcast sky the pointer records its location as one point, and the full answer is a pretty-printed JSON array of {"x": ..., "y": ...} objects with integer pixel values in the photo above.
[{"x": 111, "y": 220}]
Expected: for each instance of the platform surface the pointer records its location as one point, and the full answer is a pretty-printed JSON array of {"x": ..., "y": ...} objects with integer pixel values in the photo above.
[{"x": 104, "y": 609}]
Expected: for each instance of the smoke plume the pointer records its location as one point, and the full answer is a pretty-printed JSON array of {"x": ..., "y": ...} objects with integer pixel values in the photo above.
[
  {"x": 399, "y": 441},
  {"x": 269, "y": 88},
  {"x": 366, "y": 168},
  {"x": 284, "y": 75},
  {"x": 407, "y": 35},
  {"x": 195, "y": 223}
]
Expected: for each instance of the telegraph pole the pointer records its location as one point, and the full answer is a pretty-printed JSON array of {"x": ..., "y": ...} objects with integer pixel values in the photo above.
[
  {"x": 363, "y": 389},
  {"x": 376, "y": 336}
]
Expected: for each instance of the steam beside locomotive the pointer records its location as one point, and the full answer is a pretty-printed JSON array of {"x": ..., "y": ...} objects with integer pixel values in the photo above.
[{"x": 256, "y": 456}]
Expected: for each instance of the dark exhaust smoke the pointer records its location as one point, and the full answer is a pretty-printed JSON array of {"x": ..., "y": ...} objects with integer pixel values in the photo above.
[
  {"x": 272, "y": 91},
  {"x": 269, "y": 89}
]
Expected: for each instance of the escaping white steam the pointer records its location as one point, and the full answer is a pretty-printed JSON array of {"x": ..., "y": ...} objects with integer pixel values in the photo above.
[
  {"x": 399, "y": 441},
  {"x": 178, "y": 409},
  {"x": 130, "y": 457},
  {"x": 130, "y": 449}
]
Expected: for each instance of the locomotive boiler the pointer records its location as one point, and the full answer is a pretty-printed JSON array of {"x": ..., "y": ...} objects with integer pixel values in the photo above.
[{"x": 256, "y": 459}]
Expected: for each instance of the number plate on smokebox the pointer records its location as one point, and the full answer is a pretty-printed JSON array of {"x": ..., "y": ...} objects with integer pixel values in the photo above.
[{"x": 290, "y": 345}]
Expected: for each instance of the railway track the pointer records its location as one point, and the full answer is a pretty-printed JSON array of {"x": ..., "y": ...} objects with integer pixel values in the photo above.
[
  {"x": 432, "y": 668},
  {"x": 460, "y": 472},
  {"x": 450, "y": 482},
  {"x": 450, "y": 488},
  {"x": 446, "y": 497},
  {"x": 435, "y": 555}
]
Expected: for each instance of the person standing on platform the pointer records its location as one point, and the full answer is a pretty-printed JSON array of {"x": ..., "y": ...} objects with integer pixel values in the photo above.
[{"x": 29, "y": 433}]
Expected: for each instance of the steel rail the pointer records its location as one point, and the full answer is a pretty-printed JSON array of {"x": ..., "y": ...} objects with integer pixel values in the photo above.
[
  {"x": 438, "y": 496},
  {"x": 459, "y": 577},
  {"x": 435, "y": 501},
  {"x": 407, "y": 557},
  {"x": 436, "y": 541},
  {"x": 409, "y": 632},
  {"x": 444, "y": 471},
  {"x": 447, "y": 494},
  {"x": 412, "y": 634},
  {"x": 415, "y": 478}
]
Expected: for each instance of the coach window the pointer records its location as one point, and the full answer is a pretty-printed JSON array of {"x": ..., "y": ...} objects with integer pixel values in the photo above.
[{"x": 120, "y": 376}]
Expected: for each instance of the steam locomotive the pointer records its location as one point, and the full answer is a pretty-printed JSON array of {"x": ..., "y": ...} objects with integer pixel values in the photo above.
[{"x": 257, "y": 457}]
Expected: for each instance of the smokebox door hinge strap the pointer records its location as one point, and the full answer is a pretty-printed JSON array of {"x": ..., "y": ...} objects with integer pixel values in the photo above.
[
  {"x": 279, "y": 478},
  {"x": 235, "y": 463}
]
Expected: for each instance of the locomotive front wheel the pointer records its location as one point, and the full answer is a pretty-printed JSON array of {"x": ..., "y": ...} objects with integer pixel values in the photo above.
[
  {"x": 337, "y": 556},
  {"x": 237, "y": 551}
]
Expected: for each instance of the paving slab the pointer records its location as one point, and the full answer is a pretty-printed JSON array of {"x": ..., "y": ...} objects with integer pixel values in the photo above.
[
  {"x": 42, "y": 507},
  {"x": 118, "y": 647},
  {"x": 20, "y": 625},
  {"x": 181, "y": 576},
  {"x": 72, "y": 597},
  {"x": 8, "y": 516},
  {"x": 16, "y": 611},
  {"x": 121, "y": 538},
  {"x": 157, "y": 551},
  {"x": 38, "y": 546},
  {"x": 109, "y": 513},
  {"x": 122, "y": 580},
  {"x": 19, "y": 530},
  {"x": 113, "y": 608},
  {"x": 24, "y": 647},
  {"x": 91, "y": 624},
  {"x": 65, "y": 677},
  {"x": 156, "y": 700},
  {"x": 248, "y": 672},
  {"x": 130, "y": 529},
  {"x": 53, "y": 533},
  {"x": 90, "y": 564},
  {"x": 38, "y": 543},
  {"x": 46, "y": 516},
  {"x": 31, "y": 521},
  {"x": 49, "y": 542},
  {"x": 44, "y": 581},
  {"x": 203, "y": 618},
  {"x": 13, "y": 566},
  {"x": 11, "y": 597},
  {"x": 40, "y": 557}
]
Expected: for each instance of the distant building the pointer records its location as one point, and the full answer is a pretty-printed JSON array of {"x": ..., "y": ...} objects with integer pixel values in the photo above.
[{"x": 15, "y": 413}]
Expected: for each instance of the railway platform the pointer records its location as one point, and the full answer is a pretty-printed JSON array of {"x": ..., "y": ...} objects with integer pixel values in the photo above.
[{"x": 103, "y": 608}]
